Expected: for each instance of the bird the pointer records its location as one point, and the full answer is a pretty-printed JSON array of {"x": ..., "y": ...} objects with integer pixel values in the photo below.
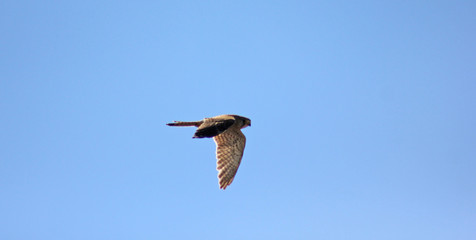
[{"x": 230, "y": 142}]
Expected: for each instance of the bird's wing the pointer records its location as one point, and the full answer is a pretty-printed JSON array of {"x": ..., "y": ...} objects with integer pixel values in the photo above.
[
  {"x": 230, "y": 147},
  {"x": 212, "y": 127}
]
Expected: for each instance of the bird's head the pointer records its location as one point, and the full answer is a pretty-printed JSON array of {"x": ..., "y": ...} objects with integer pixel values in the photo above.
[{"x": 246, "y": 122}]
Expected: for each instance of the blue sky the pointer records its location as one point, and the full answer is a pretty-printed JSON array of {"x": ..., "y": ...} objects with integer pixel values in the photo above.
[{"x": 363, "y": 119}]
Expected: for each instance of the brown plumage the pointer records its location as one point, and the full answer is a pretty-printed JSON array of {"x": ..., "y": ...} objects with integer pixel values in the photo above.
[{"x": 230, "y": 141}]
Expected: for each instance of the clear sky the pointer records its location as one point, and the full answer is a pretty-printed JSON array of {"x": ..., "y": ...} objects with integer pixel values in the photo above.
[{"x": 363, "y": 119}]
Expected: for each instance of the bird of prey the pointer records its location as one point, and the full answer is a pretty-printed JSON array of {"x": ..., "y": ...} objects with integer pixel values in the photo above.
[{"x": 230, "y": 141}]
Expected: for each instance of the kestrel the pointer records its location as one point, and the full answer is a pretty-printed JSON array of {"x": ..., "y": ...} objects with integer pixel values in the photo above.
[{"x": 230, "y": 141}]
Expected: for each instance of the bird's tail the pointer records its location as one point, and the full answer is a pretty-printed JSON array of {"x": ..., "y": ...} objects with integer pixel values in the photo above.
[{"x": 184, "y": 124}]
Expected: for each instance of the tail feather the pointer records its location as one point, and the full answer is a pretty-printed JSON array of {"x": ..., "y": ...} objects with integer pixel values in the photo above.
[{"x": 184, "y": 124}]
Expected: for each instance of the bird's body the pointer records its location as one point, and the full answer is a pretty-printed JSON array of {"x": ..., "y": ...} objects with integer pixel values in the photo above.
[{"x": 230, "y": 141}]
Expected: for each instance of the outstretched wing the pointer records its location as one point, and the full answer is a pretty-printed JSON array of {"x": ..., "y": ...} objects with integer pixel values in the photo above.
[{"x": 230, "y": 147}]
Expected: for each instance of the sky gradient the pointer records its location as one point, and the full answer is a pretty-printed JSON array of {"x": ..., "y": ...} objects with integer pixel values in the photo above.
[{"x": 363, "y": 119}]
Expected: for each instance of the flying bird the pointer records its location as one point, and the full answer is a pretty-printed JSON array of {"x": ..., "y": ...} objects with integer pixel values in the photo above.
[{"x": 230, "y": 141}]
